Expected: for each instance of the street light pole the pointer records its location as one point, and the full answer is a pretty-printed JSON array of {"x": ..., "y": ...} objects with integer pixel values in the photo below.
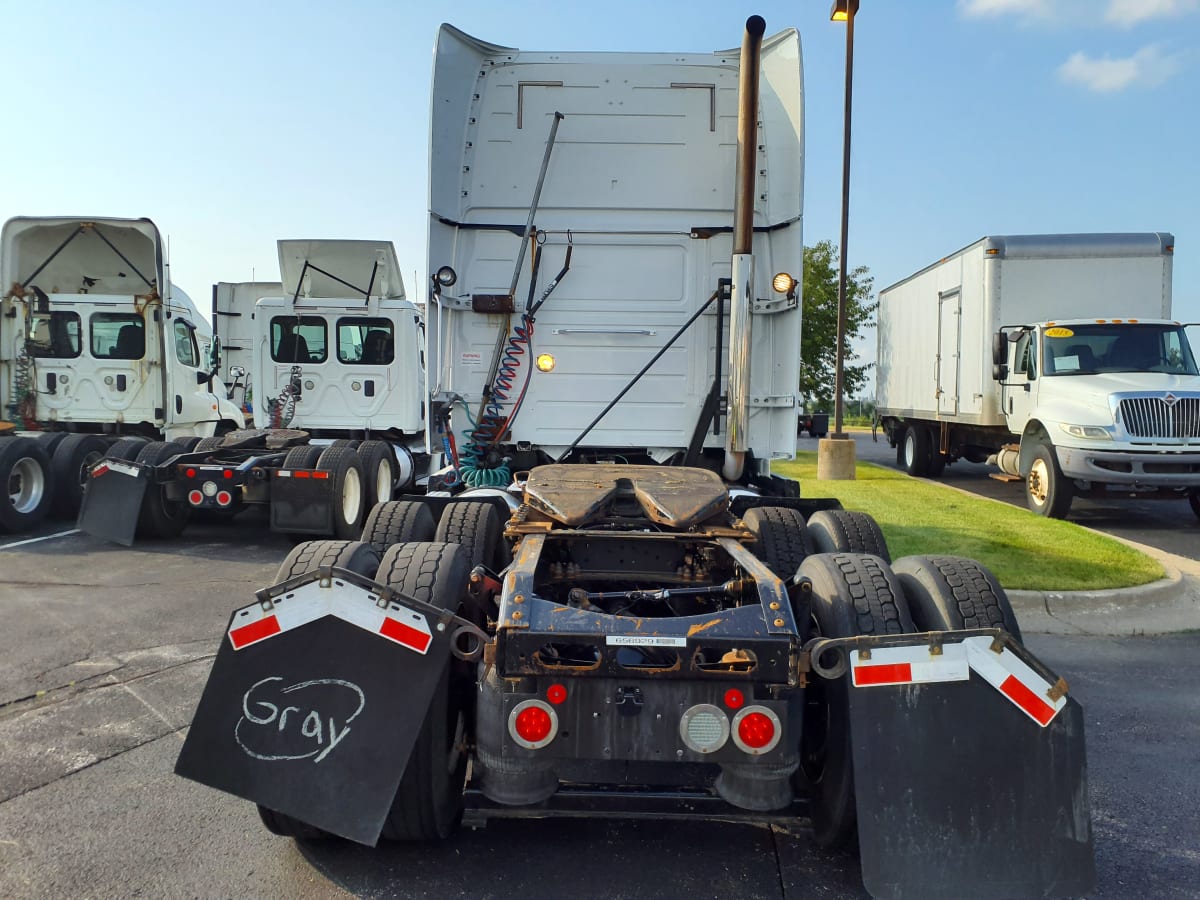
[
  {"x": 835, "y": 459},
  {"x": 850, "y": 7}
]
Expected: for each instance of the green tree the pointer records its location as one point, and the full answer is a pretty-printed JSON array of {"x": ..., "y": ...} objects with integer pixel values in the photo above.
[{"x": 818, "y": 344}]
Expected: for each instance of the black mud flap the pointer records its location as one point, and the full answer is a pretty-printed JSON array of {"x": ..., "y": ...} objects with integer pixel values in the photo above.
[
  {"x": 113, "y": 500},
  {"x": 971, "y": 782},
  {"x": 301, "y": 502},
  {"x": 314, "y": 703}
]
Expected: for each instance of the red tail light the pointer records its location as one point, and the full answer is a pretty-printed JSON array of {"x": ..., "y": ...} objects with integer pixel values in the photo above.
[
  {"x": 533, "y": 724},
  {"x": 195, "y": 498},
  {"x": 224, "y": 498},
  {"x": 756, "y": 730}
]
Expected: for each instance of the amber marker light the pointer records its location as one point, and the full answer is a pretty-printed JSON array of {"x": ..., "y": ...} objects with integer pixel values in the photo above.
[{"x": 545, "y": 362}]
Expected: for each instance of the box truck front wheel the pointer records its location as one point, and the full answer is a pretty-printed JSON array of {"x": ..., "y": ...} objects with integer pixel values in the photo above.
[
  {"x": 429, "y": 801},
  {"x": 1047, "y": 491},
  {"x": 948, "y": 593},
  {"x": 852, "y": 594}
]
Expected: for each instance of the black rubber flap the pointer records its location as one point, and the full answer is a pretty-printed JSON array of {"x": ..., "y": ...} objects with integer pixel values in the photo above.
[
  {"x": 301, "y": 505},
  {"x": 960, "y": 794},
  {"x": 317, "y": 722},
  {"x": 112, "y": 502}
]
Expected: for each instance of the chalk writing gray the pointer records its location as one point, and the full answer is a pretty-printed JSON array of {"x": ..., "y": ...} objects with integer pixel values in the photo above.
[{"x": 264, "y": 724}]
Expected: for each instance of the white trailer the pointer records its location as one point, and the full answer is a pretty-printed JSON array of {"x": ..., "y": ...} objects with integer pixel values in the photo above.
[
  {"x": 1052, "y": 356},
  {"x": 96, "y": 344}
]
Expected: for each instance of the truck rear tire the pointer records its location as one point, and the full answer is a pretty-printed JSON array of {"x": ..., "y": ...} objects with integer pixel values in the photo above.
[
  {"x": 429, "y": 801},
  {"x": 359, "y": 557},
  {"x": 1047, "y": 491},
  {"x": 947, "y": 593},
  {"x": 160, "y": 517},
  {"x": 783, "y": 540},
  {"x": 476, "y": 525},
  {"x": 347, "y": 495},
  {"x": 398, "y": 522},
  {"x": 303, "y": 457},
  {"x": 26, "y": 483},
  {"x": 853, "y": 594},
  {"x": 125, "y": 448},
  {"x": 72, "y": 460},
  {"x": 846, "y": 531},
  {"x": 204, "y": 445},
  {"x": 286, "y": 826},
  {"x": 916, "y": 448},
  {"x": 379, "y": 467}
]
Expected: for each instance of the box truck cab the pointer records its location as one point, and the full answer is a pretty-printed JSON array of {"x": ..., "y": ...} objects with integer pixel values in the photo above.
[
  {"x": 1100, "y": 402},
  {"x": 1088, "y": 386}
]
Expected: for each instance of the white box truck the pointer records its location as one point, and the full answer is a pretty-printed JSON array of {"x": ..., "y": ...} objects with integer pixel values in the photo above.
[{"x": 1051, "y": 356}]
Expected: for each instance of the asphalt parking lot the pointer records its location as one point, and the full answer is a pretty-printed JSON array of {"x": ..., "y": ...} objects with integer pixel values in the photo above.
[{"x": 105, "y": 650}]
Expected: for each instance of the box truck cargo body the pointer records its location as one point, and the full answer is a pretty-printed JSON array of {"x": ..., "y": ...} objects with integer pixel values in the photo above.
[{"x": 1052, "y": 356}]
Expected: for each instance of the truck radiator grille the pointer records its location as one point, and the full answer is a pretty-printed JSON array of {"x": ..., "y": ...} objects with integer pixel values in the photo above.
[{"x": 1153, "y": 417}]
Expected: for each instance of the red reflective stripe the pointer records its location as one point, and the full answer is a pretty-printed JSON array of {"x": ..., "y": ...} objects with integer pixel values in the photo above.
[
  {"x": 894, "y": 673},
  {"x": 99, "y": 470},
  {"x": 255, "y": 631},
  {"x": 405, "y": 634},
  {"x": 320, "y": 475},
  {"x": 1021, "y": 695},
  {"x": 301, "y": 474}
]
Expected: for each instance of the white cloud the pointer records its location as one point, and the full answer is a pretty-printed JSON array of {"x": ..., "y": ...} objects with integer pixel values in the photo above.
[
  {"x": 1148, "y": 67},
  {"x": 1130, "y": 12}
]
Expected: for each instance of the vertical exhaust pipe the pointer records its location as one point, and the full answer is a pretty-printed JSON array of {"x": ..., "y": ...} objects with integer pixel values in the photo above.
[{"x": 737, "y": 434}]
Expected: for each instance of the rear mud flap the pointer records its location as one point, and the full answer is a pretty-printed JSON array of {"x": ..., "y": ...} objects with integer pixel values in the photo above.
[
  {"x": 314, "y": 703},
  {"x": 300, "y": 503},
  {"x": 112, "y": 500},
  {"x": 962, "y": 791}
]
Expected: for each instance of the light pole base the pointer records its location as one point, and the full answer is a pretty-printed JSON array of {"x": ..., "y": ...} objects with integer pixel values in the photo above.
[{"x": 835, "y": 459}]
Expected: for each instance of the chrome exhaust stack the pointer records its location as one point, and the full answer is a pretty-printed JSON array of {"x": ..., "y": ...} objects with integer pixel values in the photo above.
[{"x": 742, "y": 294}]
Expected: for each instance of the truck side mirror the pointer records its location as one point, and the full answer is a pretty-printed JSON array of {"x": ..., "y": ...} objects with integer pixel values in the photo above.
[
  {"x": 1000, "y": 372},
  {"x": 236, "y": 372},
  {"x": 202, "y": 377},
  {"x": 999, "y": 349}
]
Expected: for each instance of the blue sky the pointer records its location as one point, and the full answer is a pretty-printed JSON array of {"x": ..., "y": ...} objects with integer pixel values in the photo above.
[{"x": 235, "y": 124}]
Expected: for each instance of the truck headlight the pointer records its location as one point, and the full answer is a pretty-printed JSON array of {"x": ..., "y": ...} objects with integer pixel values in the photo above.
[{"x": 1090, "y": 432}]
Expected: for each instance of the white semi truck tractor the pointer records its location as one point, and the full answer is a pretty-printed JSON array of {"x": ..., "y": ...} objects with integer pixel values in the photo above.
[{"x": 99, "y": 351}]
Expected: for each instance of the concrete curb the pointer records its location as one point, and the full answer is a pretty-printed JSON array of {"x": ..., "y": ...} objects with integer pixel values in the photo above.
[
  {"x": 1168, "y": 605},
  {"x": 1165, "y": 606}
]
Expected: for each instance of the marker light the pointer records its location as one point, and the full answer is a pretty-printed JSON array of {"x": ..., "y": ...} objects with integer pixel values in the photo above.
[
  {"x": 756, "y": 730},
  {"x": 783, "y": 283},
  {"x": 734, "y": 698},
  {"x": 533, "y": 724},
  {"x": 545, "y": 362},
  {"x": 556, "y": 694}
]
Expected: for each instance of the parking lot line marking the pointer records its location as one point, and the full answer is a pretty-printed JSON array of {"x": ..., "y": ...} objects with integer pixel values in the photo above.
[{"x": 46, "y": 537}]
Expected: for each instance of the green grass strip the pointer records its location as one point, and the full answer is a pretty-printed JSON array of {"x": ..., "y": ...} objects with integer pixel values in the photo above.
[{"x": 1024, "y": 551}]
